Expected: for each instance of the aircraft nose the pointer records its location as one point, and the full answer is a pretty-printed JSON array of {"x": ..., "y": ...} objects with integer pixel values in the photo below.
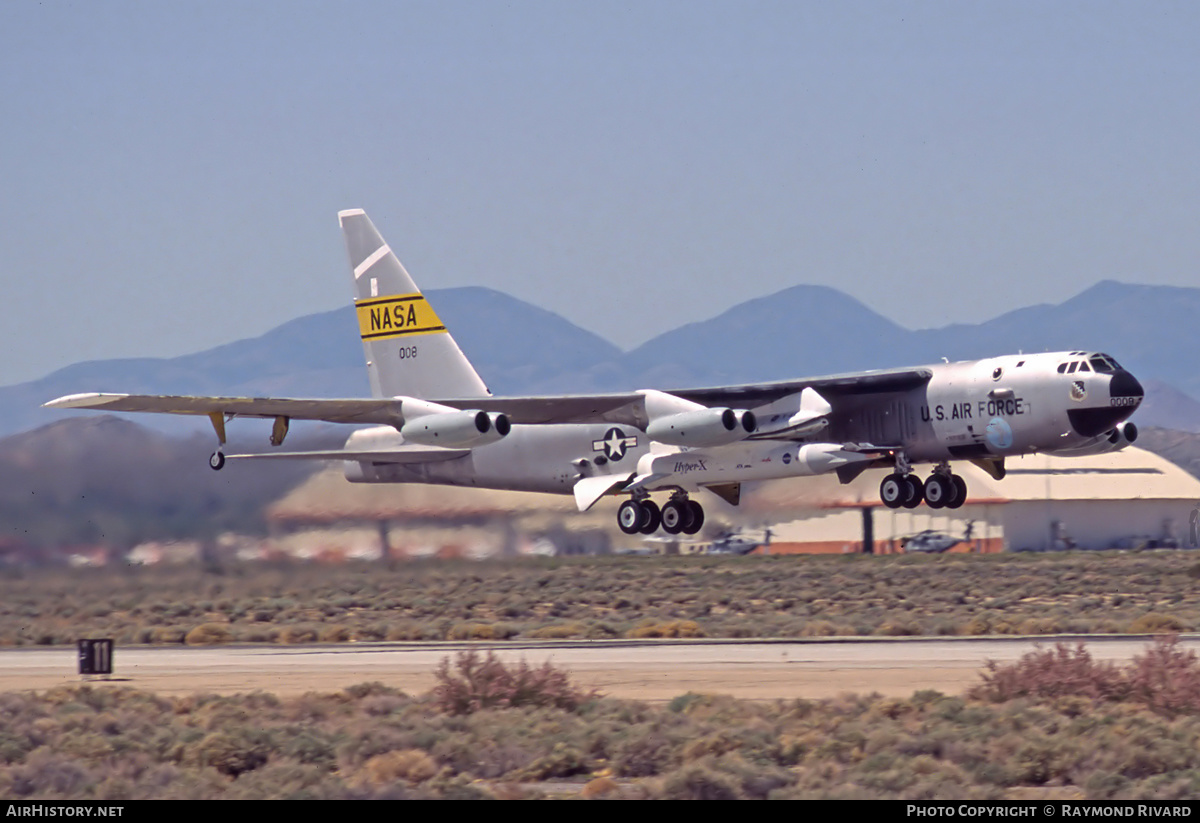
[
  {"x": 1125, "y": 394},
  {"x": 1124, "y": 386}
]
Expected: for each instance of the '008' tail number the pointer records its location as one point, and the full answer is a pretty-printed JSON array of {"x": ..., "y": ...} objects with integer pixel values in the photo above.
[{"x": 408, "y": 352}]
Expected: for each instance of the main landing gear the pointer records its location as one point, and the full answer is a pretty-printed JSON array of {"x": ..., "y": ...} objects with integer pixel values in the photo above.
[
  {"x": 943, "y": 489},
  {"x": 642, "y": 515}
]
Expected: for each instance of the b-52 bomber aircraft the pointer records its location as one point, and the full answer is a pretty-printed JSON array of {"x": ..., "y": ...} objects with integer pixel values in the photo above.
[{"x": 438, "y": 423}]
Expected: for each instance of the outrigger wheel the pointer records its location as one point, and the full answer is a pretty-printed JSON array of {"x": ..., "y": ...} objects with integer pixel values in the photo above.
[{"x": 216, "y": 461}]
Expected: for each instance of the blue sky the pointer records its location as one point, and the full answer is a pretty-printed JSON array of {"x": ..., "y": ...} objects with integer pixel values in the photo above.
[{"x": 172, "y": 171}]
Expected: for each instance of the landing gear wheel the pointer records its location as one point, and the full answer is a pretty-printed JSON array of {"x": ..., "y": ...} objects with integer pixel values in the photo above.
[
  {"x": 960, "y": 486},
  {"x": 939, "y": 491},
  {"x": 676, "y": 516},
  {"x": 629, "y": 516},
  {"x": 697, "y": 521},
  {"x": 216, "y": 461},
  {"x": 893, "y": 491},
  {"x": 916, "y": 491},
  {"x": 651, "y": 517}
]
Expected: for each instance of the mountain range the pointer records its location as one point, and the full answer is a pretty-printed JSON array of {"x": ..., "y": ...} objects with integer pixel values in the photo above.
[{"x": 519, "y": 348}]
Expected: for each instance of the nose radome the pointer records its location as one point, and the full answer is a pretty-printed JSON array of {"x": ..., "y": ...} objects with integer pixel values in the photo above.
[{"x": 1124, "y": 384}]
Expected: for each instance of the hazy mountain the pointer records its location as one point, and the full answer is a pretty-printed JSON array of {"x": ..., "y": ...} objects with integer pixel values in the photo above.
[
  {"x": 803, "y": 330},
  {"x": 1168, "y": 408}
]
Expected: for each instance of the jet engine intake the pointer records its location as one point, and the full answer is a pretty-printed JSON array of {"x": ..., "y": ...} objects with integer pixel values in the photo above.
[
  {"x": 703, "y": 427},
  {"x": 456, "y": 429},
  {"x": 1123, "y": 435}
]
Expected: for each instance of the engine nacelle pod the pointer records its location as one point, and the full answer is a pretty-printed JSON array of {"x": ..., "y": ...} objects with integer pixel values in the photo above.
[
  {"x": 1123, "y": 435},
  {"x": 702, "y": 427},
  {"x": 458, "y": 429},
  {"x": 1120, "y": 437}
]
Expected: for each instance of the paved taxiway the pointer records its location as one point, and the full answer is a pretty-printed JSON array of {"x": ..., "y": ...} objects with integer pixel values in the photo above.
[{"x": 654, "y": 670}]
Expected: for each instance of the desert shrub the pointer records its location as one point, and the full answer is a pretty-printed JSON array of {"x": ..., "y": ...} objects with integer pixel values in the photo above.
[
  {"x": 372, "y": 689},
  {"x": 298, "y": 634},
  {"x": 1166, "y": 678},
  {"x": 480, "y": 631},
  {"x": 475, "y": 683},
  {"x": 1156, "y": 623},
  {"x": 231, "y": 753},
  {"x": 1051, "y": 673},
  {"x": 208, "y": 634},
  {"x": 652, "y": 627},
  {"x": 334, "y": 634},
  {"x": 699, "y": 781},
  {"x": 410, "y": 765},
  {"x": 47, "y": 774},
  {"x": 641, "y": 752},
  {"x": 898, "y": 628},
  {"x": 563, "y": 760},
  {"x": 166, "y": 634},
  {"x": 558, "y": 631},
  {"x": 819, "y": 628},
  {"x": 309, "y": 747}
]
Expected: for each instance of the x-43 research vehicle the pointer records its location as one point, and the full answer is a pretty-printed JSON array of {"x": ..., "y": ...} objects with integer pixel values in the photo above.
[{"x": 436, "y": 421}]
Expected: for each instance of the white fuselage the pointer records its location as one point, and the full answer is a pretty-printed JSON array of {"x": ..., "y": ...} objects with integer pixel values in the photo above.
[{"x": 983, "y": 409}]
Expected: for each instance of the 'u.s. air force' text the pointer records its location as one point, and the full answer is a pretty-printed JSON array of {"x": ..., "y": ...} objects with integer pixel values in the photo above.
[
  {"x": 982, "y": 410},
  {"x": 399, "y": 315}
]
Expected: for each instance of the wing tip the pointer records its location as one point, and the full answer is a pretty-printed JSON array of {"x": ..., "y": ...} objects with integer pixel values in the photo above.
[{"x": 84, "y": 400}]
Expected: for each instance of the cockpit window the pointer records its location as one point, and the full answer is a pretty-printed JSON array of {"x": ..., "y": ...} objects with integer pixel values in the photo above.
[
  {"x": 1104, "y": 364},
  {"x": 1074, "y": 365},
  {"x": 1062, "y": 368},
  {"x": 1083, "y": 366}
]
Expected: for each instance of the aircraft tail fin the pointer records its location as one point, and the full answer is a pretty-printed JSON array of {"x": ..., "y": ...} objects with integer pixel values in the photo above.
[{"x": 409, "y": 351}]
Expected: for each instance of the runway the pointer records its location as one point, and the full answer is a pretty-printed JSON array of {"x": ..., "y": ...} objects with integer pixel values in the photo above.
[{"x": 646, "y": 670}]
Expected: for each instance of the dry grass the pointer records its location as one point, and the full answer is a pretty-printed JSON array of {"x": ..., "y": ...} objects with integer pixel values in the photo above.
[{"x": 1083, "y": 593}]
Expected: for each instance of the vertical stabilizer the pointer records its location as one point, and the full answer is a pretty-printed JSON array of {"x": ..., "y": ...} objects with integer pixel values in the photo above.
[{"x": 409, "y": 351}]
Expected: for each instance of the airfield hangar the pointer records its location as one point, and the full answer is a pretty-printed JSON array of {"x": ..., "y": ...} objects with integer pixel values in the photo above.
[{"x": 1126, "y": 499}]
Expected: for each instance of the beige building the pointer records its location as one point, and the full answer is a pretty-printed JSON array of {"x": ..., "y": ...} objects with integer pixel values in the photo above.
[{"x": 1124, "y": 499}]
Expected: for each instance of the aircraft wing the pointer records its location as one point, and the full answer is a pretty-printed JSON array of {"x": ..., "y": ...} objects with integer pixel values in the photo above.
[
  {"x": 384, "y": 411},
  {"x": 629, "y": 408},
  {"x": 617, "y": 407},
  {"x": 405, "y": 455}
]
